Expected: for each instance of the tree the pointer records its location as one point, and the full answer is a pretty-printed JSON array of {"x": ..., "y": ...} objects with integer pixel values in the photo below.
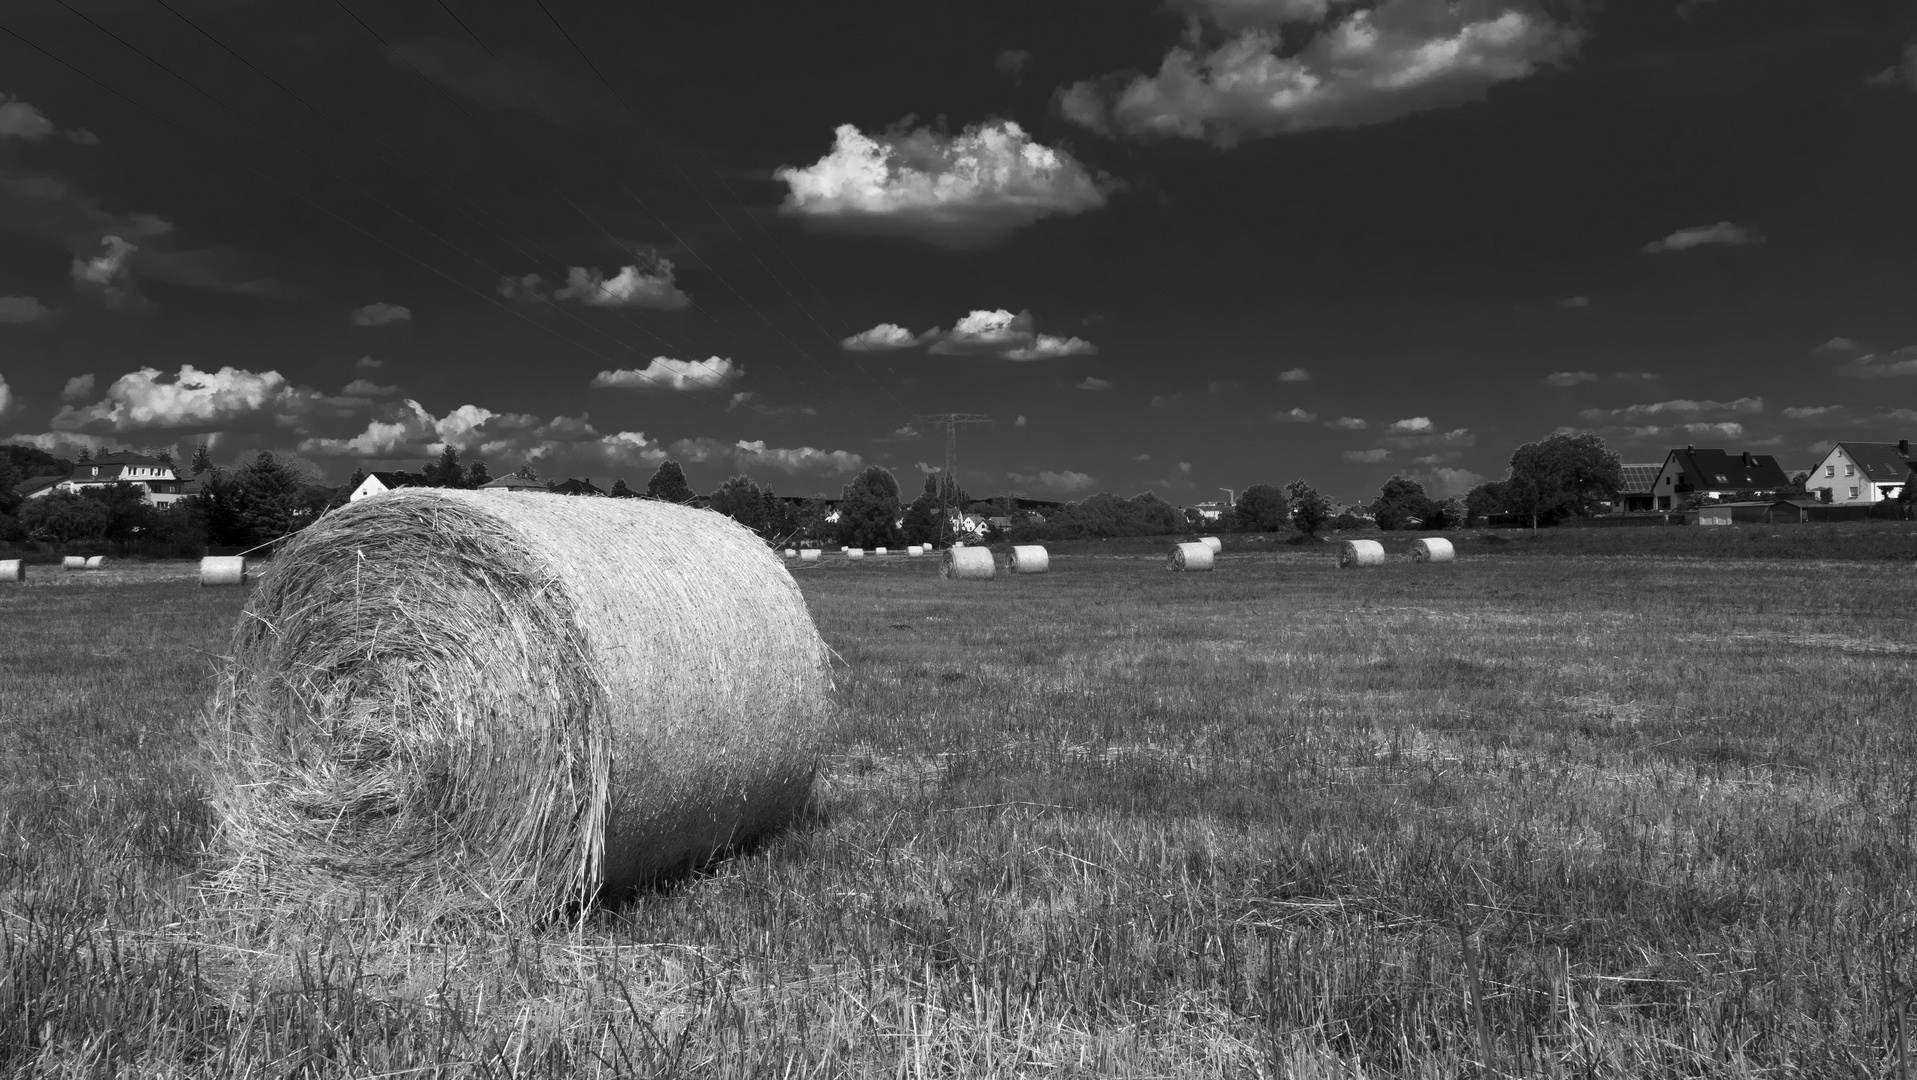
[
  {"x": 922, "y": 522},
  {"x": 1401, "y": 504},
  {"x": 445, "y": 470},
  {"x": 266, "y": 497},
  {"x": 621, "y": 491},
  {"x": 83, "y": 455},
  {"x": 164, "y": 457},
  {"x": 63, "y": 518},
  {"x": 477, "y": 476},
  {"x": 1261, "y": 508},
  {"x": 869, "y": 509},
  {"x": 1309, "y": 510},
  {"x": 739, "y": 499},
  {"x": 527, "y": 472},
  {"x": 354, "y": 481},
  {"x": 1562, "y": 475},
  {"x": 668, "y": 484},
  {"x": 202, "y": 460}
]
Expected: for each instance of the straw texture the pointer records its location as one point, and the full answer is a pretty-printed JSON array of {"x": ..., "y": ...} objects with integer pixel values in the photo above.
[
  {"x": 1216, "y": 545},
  {"x": 12, "y": 570},
  {"x": 73, "y": 562},
  {"x": 223, "y": 570},
  {"x": 95, "y": 562},
  {"x": 810, "y": 555},
  {"x": 1433, "y": 549},
  {"x": 968, "y": 564},
  {"x": 1193, "y": 556},
  {"x": 1360, "y": 553},
  {"x": 474, "y": 703},
  {"x": 1030, "y": 559}
]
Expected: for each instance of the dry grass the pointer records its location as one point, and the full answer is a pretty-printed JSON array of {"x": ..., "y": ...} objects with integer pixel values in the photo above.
[{"x": 1545, "y": 817}]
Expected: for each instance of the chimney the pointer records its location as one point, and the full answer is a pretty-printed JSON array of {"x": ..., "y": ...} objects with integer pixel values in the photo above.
[
  {"x": 1903, "y": 447},
  {"x": 1749, "y": 461}
]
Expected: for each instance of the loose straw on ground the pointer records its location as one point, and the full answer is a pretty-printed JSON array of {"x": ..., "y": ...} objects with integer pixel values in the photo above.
[
  {"x": 1030, "y": 559},
  {"x": 474, "y": 703},
  {"x": 1216, "y": 545},
  {"x": 1433, "y": 549},
  {"x": 223, "y": 570},
  {"x": 1360, "y": 553},
  {"x": 1192, "y": 556},
  {"x": 968, "y": 564},
  {"x": 13, "y": 570}
]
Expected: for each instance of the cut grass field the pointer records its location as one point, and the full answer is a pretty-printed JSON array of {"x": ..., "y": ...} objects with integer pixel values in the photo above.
[{"x": 1538, "y": 816}]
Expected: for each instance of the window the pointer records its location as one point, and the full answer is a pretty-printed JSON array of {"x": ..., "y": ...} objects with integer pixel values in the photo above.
[
  {"x": 1853, "y": 493},
  {"x": 1667, "y": 481},
  {"x": 1722, "y": 479},
  {"x": 1830, "y": 470},
  {"x": 1850, "y": 470}
]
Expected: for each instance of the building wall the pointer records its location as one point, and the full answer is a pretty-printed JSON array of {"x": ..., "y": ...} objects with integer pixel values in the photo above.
[{"x": 1845, "y": 482}]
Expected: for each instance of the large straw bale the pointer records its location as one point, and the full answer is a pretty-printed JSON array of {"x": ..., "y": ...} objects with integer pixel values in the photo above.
[
  {"x": 1360, "y": 553},
  {"x": 223, "y": 570},
  {"x": 1192, "y": 556},
  {"x": 13, "y": 570},
  {"x": 879, "y": 551},
  {"x": 1030, "y": 559},
  {"x": 96, "y": 562},
  {"x": 968, "y": 564},
  {"x": 73, "y": 562},
  {"x": 1216, "y": 545},
  {"x": 810, "y": 555},
  {"x": 854, "y": 553},
  {"x": 791, "y": 553},
  {"x": 915, "y": 550},
  {"x": 1433, "y": 549},
  {"x": 472, "y": 703}
]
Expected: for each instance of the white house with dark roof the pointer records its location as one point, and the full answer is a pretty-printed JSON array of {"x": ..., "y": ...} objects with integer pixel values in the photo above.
[
  {"x": 158, "y": 481},
  {"x": 1854, "y": 473},
  {"x": 1709, "y": 475}
]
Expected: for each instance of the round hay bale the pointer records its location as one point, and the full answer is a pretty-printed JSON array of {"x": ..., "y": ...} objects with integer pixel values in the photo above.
[
  {"x": 73, "y": 562},
  {"x": 507, "y": 707},
  {"x": 1433, "y": 549},
  {"x": 1216, "y": 545},
  {"x": 855, "y": 553},
  {"x": 223, "y": 570},
  {"x": 791, "y": 553},
  {"x": 13, "y": 570},
  {"x": 1192, "y": 556},
  {"x": 810, "y": 555},
  {"x": 1030, "y": 559},
  {"x": 915, "y": 551},
  {"x": 878, "y": 551},
  {"x": 95, "y": 562},
  {"x": 968, "y": 564},
  {"x": 1360, "y": 553}
]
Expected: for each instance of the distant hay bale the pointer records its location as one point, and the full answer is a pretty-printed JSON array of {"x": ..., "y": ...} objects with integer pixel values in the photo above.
[
  {"x": 1193, "y": 556},
  {"x": 508, "y": 707},
  {"x": 1433, "y": 549},
  {"x": 878, "y": 551},
  {"x": 914, "y": 550},
  {"x": 95, "y": 562},
  {"x": 855, "y": 553},
  {"x": 810, "y": 555},
  {"x": 223, "y": 570},
  {"x": 73, "y": 562},
  {"x": 968, "y": 564},
  {"x": 791, "y": 553},
  {"x": 13, "y": 570},
  {"x": 1030, "y": 559},
  {"x": 1216, "y": 545},
  {"x": 1360, "y": 553}
]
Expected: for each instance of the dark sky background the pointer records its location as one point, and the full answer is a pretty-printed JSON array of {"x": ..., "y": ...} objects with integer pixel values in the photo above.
[{"x": 1239, "y": 240}]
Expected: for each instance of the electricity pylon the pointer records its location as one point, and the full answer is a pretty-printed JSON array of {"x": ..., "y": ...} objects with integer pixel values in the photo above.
[{"x": 951, "y": 422}]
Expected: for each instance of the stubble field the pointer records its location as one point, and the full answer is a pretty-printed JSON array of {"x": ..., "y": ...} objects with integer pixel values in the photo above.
[{"x": 1538, "y": 816}]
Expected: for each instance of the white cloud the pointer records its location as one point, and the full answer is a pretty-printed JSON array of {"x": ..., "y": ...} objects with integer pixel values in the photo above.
[
  {"x": 1724, "y": 232},
  {"x": 884, "y": 338},
  {"x": 191, "y": 400},
  {"x": 1902, "y": 73},
  {"x": 1578, "y": 301},
  {"x": 1093, "y": 383},
  {"x": 754, "y": 453},
  {"x": 1838, "y": 344},
  {"x": 1872, "y": 366},
  {"x": 1813, "y": 412},
  {"x": 1347, "y": 423},
  {"x": 983, "y": 331},
  {"x": 1294, "y": 416},
  {"x": 1636, "y": 376},
  {"x": 1727, "y": 428},
  {"x": 1020, "y": 422},
  {"x": 1447, "y": 483},
  {"x": 1141, "y": 457},
  {"x": 379, "y": 314},
  {"x": 22, "y": 309},
  {"x": 1296, "y": 374},
  {"x": 1289, "y": 70},
  {"x": 1367, "y": 456},
  {"x": 1065, "y": 482},
  {"x": 368, "y": 388},
  {"x": 6, "y": 396},
  {"x": 78, "y": 388},
  {"x": 1411, "y": 425},
  {"x": 1164, "y": 401},
  {"x": 1426, "y": 436},
  {"x": 1184, "y": 466},
  {"x": 19, "y": 120},
  {"x": 109, "y": 276},
  {"x": 367, "y": 363},
  {"x": 1676, "y": 408},
  {"x": 967, "y": 190},
  {"x": 1047, "y": 347},
  {"x": 666, "y": 373},
  {"x": 1569, "y": 378},
  {"x": 631, "y": 287},
  {"x": 407, "y": 430}
]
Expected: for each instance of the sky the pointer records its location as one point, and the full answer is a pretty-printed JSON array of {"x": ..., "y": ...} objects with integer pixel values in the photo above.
[{"x": 1173, "y": 246}]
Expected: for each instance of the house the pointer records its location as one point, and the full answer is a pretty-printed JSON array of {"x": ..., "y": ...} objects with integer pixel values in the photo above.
[
  {"x": 1635, "y": 491},
  {"x": 513, "y": 482},
  {"x": 378, "y": 482},
  {"x": 1710, "y": 474},
  {"x": 1862, "y": 472},
  {"x": 1210, "y": 511},
  {"x": 157, "y": 480},
  {"x": 38, "y": 485},
  {"x": 570, "y": 486}
]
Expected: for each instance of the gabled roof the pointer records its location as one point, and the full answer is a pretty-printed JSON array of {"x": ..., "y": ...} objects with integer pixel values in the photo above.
[
  {"x": 37, "y": 484},
  {"x": 398, "y": 479},
  {"x": 1711, "y": 469},
  {"x": 571, "y": 486},
  {"x": 514, "y": 480},
  {"x": 1639, "y": 479},
  {"x": 1880, "y": 461}
]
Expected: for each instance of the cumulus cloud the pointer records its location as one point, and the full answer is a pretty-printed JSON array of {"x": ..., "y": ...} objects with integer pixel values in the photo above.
[
  {"x": 1013, "y": 62},
  {"x": 1726, "y": 428},
  {"x": 650, "y": 287},
  {"x": 407, "y": 430},
  {"x": 190, "y": 400},
  {"x": 1048, "y": 347},
  {"x": 747, "y": 454},
  {"x": 1873, "y": 366},
  {"x": 1285, "y": 67},
  {"x": 1020, "y": 422},
  {"x": 1165, "y": 401},
  {"x": 1575, "y": 301},
  {"x": 968, "y": 190},
  {"x": 1838, "y": 344},
  {"x": 1569, "y": 378},
  {"x": 367, "y": 388},
  {"x": 884, "y": 338},
  {"x": 1347, "y": 423},
  {"x": 1679, "y": 407},
  {"x": 78, "y": 388},
  {"x": 108, "y": 276},
  {"x": 379, "y": 314},
  {"x": 1448, "y": 483},
  {"x": 1184, "y": 466},
  {"x": 1064, "y": 482},
  {"x": 1636, "y": 376},
  {"x": 22, "y": 309},
  {"x": 1294, "y": 416},
  {"x": 986, "y": 332},
  {"x": 1724, "y": 232},
  {"x": 1296, "y": 374},
  {"x": 666, "y": 373},
  {"x": 19, "y": 120},
  {"x": 1902, "y": 73},
  {"x": 1091, "y": 383},
  {"x": 1410, "y": 425},
  {"x": 367, "y": 363},
  {"x": 1422, "y": 437},
  {"x": 1813, "y": 412},
  {"x": 1367, "y": 456}
]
